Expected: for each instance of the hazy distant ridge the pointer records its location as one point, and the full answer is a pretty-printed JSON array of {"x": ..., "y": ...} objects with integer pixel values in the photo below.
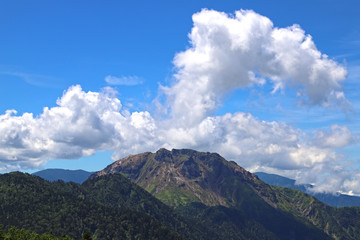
[
  {"x": 337, "y": 200},
  {"x": 54, "y": 174}
]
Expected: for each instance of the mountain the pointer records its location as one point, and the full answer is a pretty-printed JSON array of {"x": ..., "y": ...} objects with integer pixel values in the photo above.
[
  {"x": 54, "y": 174},
  {"x": 206, "y": 197},
  {"x": 206, "y": 187},
  {"x": 108, "y": 207},
  {"x": 179, "y": 177},
  {"x": 116, "y": 191},
  {"x": 281, "y": 181},
  {"x": 335, "y": 200}
]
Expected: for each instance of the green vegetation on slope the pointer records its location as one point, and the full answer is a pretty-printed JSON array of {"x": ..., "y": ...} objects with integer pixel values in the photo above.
[
  {"x": 340, "y": 223},
  {"x": 207, "y": 196},
  {"x": 228, "y": 192},
  {"x": 337, "y": 200},
  {"x": 21, "y": 234},
  {"x": 118, "y": 192},
  {"x": 34, "y": 204}
]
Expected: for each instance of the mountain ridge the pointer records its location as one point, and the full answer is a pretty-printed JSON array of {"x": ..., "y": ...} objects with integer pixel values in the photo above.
[
  {"x": 335, "y": 200},
  {"x": 66, "y": 175},
  {"x": 172, "y": 169},
  {"x": 35, "y": 204},
  {"x": 183, "y": 176},
  {"x": 202, "y": 196}
]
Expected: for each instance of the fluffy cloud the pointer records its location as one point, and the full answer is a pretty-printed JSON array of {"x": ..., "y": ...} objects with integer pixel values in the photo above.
[
  {"x": 84, "y": 122},
  {"x": 226, "y": 53},
  {"x": 230, "y": 52},
  {"x": 81, "y": 124},
  {"x": 254, "y": 144},
  {"x": 337, "y": 137}
]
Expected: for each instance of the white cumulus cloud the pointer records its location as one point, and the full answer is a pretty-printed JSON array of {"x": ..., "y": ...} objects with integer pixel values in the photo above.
[
  {"x": 229, "y": 52},
  {"x": 82, "y": 123}
]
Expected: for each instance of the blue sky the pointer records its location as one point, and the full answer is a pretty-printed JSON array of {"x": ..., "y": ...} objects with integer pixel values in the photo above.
[{"x": 137, "y": 56}]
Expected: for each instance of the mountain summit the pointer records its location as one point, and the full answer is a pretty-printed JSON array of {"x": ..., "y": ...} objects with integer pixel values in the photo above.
[
  {"x": 179, "y": 177},
  {"x": 219, "y": 193}
]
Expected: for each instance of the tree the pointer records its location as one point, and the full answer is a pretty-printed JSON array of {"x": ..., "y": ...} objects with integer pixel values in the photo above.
[{"x": 86, "y": 236}]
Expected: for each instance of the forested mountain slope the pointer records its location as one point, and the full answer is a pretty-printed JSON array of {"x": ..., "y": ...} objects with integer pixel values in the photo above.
[
  {"x": 35, "y": 204},
  {"x": 206, "y": 197},
  {"x": 335, "y": 200},
  {"x": 207, "y": 187}
]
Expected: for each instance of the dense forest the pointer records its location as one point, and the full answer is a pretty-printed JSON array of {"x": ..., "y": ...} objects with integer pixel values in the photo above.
[
  {"x": 34, "y": 204},
  {"x": 15, "y": 233}
]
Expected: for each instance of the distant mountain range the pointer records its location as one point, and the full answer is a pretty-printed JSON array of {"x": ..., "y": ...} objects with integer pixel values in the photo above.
[
  {"x": 337, "y": 200},
  {"x": 54, "y": 174},
  {"x": 178, "y": 194}
]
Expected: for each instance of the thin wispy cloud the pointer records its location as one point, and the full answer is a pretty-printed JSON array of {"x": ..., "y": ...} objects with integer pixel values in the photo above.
[
  {"x": 36, "y": 79},
  {"x": 124, "y": 80}
]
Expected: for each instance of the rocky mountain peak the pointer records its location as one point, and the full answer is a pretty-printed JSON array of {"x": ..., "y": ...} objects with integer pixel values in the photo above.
[{"x": 181, "y": 176}]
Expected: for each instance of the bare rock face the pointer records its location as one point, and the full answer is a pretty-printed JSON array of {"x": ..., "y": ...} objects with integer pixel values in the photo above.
[{"x": 180, "y": 176}]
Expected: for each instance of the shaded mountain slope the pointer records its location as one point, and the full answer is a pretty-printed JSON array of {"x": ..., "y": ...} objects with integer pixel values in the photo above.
[
  {"x": 181, "y": 178},
  {"x": 16, "y": 233},
  {"x": 339, "y": 223},
  {"x": 32, "y": 203},
  {"x": 120, "y": 192},
  {"x": 54, "y": 174},
  {"x": 337, "y": 200},
  {"x": 116, "y": 191}
]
